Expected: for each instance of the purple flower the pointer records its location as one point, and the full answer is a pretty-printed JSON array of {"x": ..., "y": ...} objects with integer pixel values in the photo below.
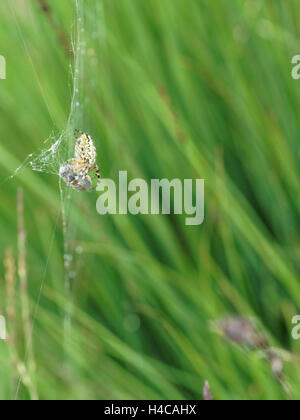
[{"x": 206, "y": 392}]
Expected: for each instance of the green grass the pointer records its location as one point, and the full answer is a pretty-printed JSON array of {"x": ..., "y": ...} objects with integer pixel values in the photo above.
[{"x": 171, "y": 89}]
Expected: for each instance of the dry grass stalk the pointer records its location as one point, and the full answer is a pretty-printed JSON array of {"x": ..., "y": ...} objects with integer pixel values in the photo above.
[
  {"x": 25, "y": 307},
  {"x": 10, "y": 282},
  {"x": 22, "y": 268},
  {"x": 173, "y": 115},
  {"x": 63, "y": 40},
  {"x": 23, "y": 370}
]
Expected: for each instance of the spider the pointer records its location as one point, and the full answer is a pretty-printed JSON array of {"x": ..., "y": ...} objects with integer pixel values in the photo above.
[{"x": 75, "y": 172}]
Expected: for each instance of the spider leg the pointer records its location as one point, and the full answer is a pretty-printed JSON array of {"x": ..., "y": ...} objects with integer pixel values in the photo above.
[
  {"x": 76, "y": 163},
  {"x": 80, "y": 167},
  {"x": 97, "y": 172},
  {"x": 70, "y": 161},
  {"x": 78, "y": 132}
]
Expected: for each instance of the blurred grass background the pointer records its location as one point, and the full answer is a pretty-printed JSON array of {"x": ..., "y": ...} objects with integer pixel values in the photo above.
[{"x": 174, "y": 89}]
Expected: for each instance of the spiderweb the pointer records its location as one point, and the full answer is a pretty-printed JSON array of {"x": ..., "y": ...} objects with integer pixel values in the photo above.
[{"x": 58, "y": 148}]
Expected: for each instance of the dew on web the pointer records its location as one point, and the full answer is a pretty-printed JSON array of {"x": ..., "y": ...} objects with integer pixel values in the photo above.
[{"x": 59, "y": 147}]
